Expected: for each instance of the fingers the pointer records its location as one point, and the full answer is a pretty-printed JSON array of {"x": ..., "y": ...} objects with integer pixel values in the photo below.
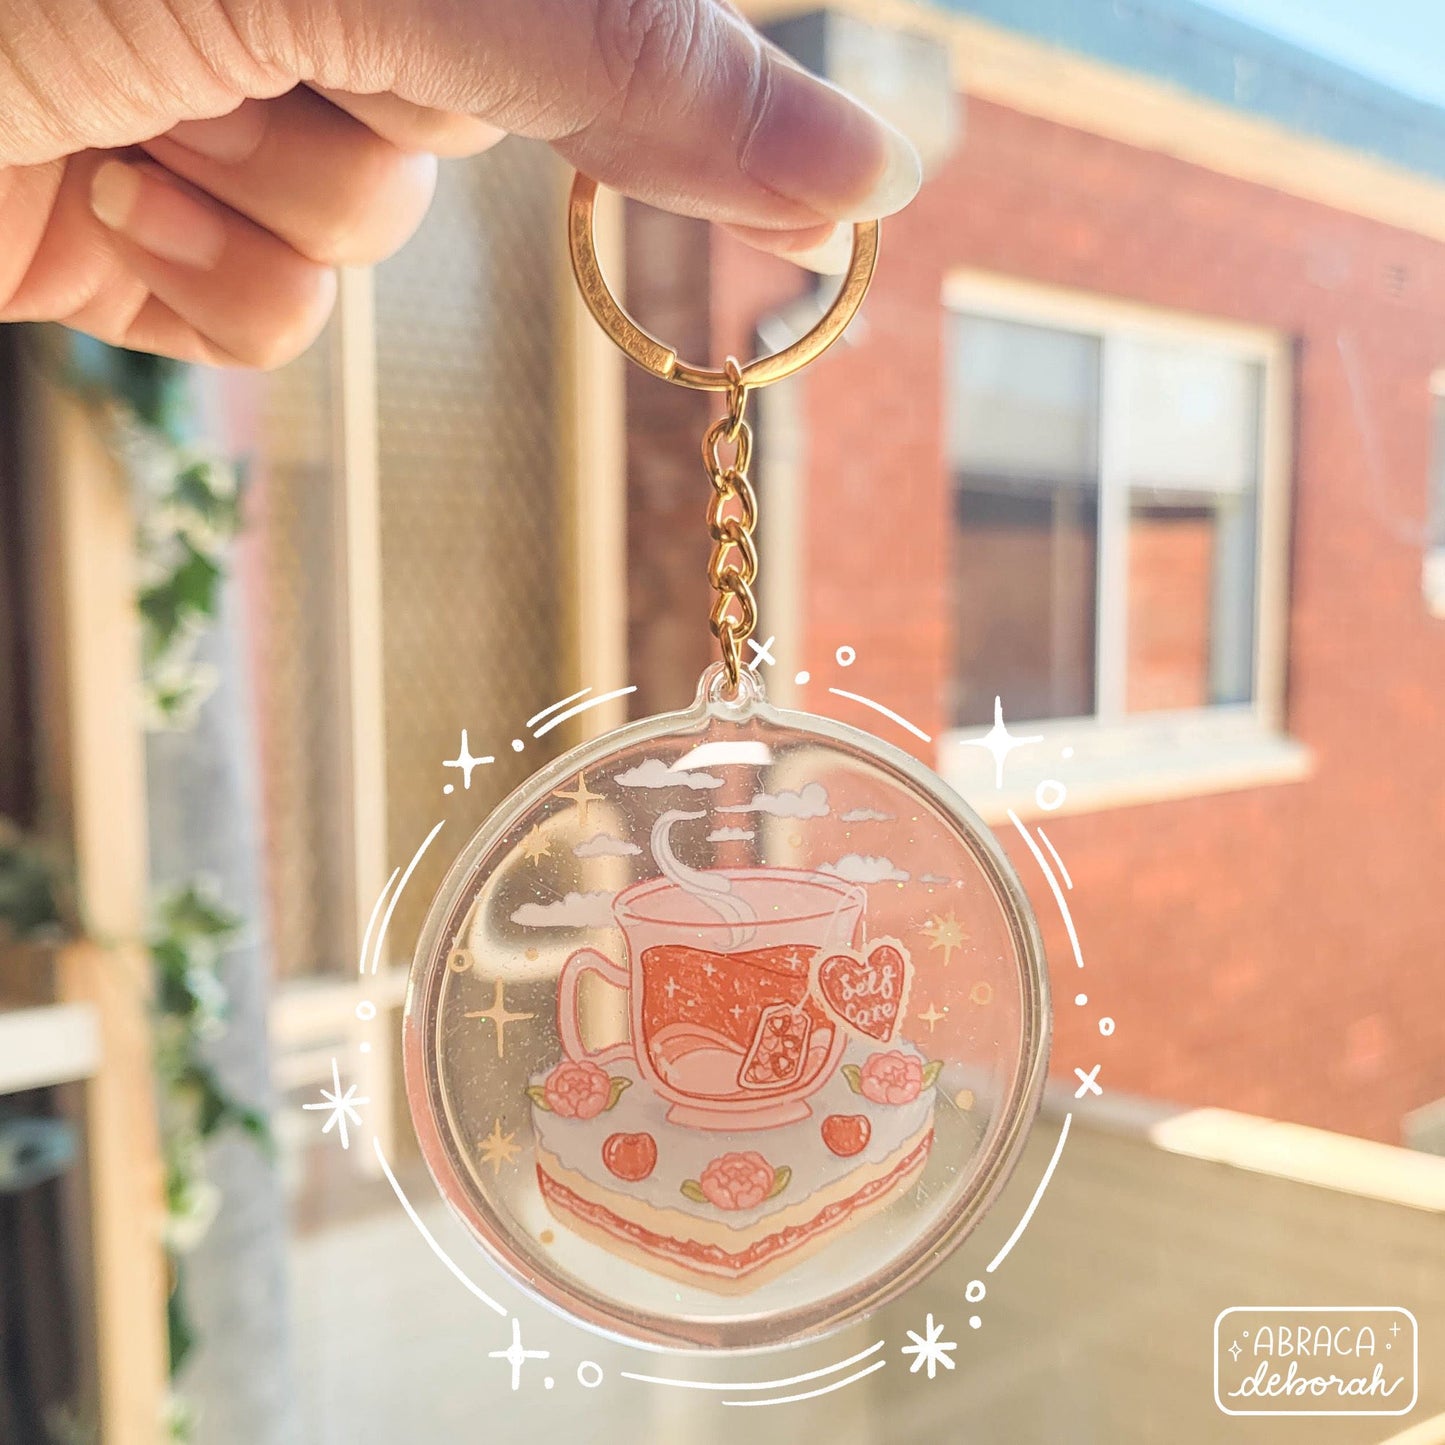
[
  {"x": 826, "y": 247},
  {"x": 247, "y": 296},
  {"x": 324, "y": 183},
  {"x": 676, "y": 102},
  {"x": 412, "y": 127}
]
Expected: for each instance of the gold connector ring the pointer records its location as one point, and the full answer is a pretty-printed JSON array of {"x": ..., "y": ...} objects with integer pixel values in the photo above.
[{"x": 648, "y": 352}]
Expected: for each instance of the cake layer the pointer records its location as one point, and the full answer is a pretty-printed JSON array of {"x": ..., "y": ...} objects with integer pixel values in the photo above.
[
  {"x": 699, "y": 1251},
  {"x": 683, "y": 1151}
]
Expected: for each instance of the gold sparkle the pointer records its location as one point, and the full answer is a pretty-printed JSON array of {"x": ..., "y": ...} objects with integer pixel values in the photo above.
[
  {"x": 536, "y": 846},
  {"x": 532, "y": 955},
  {"x": 583, "y": 796},
  {"x": 501, "y": 1017},
  {"x": 932, "y": 1017},
  {"x": 964, "y": 1099},
  {"x": 982, "y": 993},
  {"x": 946, "y": 933},
  {"x": 546, "y": 1236},
  {"x": 498, "y": 1148}
]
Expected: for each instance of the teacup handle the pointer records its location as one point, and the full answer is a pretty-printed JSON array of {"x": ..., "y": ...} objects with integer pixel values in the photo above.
[{"x": 587, "y": 960}]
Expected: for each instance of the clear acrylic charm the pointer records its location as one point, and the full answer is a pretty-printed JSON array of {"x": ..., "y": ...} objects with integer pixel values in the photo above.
[{"x": 726, "y": 1027}]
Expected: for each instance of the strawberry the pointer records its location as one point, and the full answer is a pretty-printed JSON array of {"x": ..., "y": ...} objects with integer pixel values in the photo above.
[
  {"x": 847, "y": 1134},
  {"x": 630, "y": 1156}
]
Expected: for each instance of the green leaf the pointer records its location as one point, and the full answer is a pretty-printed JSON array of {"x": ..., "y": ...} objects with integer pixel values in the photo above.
[
  {"x": 538, "y": 1095},
  {"x": 854, "y": 1076},
  {"x": 781, "y": 1180},
  {"x": 180, "y": 1330},
  {"x": 931, "y": 1072},
  {"x": 29, "y": 898},
  {"x": 196, "y": 911},
  {"x": 693, "y": 1190},
  {"x": 619, "y": 1084}
]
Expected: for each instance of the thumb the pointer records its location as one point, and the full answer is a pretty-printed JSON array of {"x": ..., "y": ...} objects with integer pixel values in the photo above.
[{"x": 679, "y": 103}]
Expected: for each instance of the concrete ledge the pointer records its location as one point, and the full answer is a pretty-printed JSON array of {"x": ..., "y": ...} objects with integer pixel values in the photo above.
[{"x": 1362, "y": 1168}]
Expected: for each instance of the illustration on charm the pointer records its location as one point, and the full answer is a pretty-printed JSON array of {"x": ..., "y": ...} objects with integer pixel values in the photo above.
[{"x": 766, "y": 1096}]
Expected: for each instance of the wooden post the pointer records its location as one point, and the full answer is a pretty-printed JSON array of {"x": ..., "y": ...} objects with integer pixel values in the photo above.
[
  {"x": 593, "y": 428},
  {"x": 361, "y": 708},
  {"x": 91, "y": 759}
]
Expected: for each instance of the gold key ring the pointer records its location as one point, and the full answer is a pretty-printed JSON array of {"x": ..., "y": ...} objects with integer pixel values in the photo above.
[{"x": 650, "y": 353}]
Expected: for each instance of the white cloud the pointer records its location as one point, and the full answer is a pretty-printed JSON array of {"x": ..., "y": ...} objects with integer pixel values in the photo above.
[
  {"x": 810, "y": 801},
  {"x": 750, "y": 753},
  {"x": 730, "y": 835},
  {"x": 603, "y": 845},
  {"x": 867, "y": 815},
  {"x": 576, "y": 910},
  {"x": 654, "y": 773},
  {"x": 861, "y": 868},
  {"x": 935, "y": 878}
]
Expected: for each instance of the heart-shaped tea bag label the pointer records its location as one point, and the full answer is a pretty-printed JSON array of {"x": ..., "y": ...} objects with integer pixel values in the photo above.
[{"x": 867, "y": 994}]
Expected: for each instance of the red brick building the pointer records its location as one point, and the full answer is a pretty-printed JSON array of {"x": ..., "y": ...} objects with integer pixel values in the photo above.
[{"x": 1135, "y": 431}]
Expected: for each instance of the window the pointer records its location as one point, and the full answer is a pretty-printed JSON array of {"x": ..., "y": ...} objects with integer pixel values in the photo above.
[{"x": 1117, "y": 481}]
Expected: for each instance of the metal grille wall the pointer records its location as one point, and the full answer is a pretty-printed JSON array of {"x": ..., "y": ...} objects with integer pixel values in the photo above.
[
  {"x": 473, "y": 550},
  {"x": 472, "y": 553},
  {"x": 295, "y": 606}
]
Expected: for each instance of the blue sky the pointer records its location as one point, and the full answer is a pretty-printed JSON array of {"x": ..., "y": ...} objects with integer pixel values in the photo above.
[{"x": 1401, "y": 42}]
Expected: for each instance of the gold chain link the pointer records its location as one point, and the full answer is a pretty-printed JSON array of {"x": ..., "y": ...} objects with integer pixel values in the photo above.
[{"x": 732, "y": 514}]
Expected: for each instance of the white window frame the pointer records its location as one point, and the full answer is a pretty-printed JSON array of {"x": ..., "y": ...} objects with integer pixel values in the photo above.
[
  {"x": 1432, "y": 572},
  {"x": 1117, "y": 758}
]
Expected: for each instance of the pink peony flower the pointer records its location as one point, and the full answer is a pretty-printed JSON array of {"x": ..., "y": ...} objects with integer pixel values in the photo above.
[
  {"x": 738, "y": 1181},
  {"x": 577, "y": 1090},
  {"x": 890, "y": 1078}
]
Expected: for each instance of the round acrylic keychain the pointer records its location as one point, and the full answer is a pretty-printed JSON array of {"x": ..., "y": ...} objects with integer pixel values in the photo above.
[{"x": 727, "y": 1026}]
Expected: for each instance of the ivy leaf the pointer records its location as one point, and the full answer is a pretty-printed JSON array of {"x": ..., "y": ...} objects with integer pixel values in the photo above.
[
  {"x": 189, "y": 592},
  {"x": 29, "y": 895},
  {"x": 196, "y": 911},
  {"x": 179, "y": 1327},
  {"x": 693, "y": 1190}
]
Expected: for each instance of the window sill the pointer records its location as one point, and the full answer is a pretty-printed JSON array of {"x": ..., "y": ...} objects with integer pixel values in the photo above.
[{"x": 1120, "y": 768}]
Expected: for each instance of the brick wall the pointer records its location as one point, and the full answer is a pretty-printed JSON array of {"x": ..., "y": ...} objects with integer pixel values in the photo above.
[{"x": 1279, "y": 950}]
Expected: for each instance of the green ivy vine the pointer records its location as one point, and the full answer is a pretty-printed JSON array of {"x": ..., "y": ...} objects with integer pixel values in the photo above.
[{"x": 187, "y": 505}]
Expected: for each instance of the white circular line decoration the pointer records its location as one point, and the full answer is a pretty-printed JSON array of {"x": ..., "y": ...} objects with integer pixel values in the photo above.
[{"x": 1050, "y": 794}]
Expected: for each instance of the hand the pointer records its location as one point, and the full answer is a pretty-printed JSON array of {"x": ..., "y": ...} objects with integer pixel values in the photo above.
[{"x": 181, "y": 176}]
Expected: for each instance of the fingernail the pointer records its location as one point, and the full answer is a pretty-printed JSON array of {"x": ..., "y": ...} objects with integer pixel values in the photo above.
[
  {"x": 157, "y": 216},
  {"x": 818, "y": 146},
  {"x": 829, "y": 257},
  {"x": 230, "y": 138}
]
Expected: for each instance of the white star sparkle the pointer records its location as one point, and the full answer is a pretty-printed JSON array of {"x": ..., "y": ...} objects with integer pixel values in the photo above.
[
  {"x": 516, "y": 1356},
  {"x": 1000, "y": 742},
  {"x": 341, "y": 1108},
  {"x": 465, "y": 761},
  {"x": 928, "y": 1349}
]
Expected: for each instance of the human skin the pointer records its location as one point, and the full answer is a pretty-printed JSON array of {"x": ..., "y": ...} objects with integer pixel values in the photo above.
[{"x": 183, "y": 176}]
